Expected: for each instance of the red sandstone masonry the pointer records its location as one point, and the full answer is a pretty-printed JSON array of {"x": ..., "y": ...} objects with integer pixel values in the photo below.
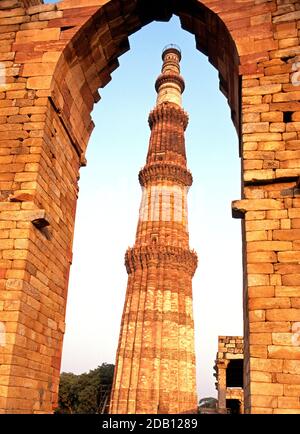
[
  {"x": 229, "y": 348},
  {"x": 155, "y": 364},
  {"x": 45, "y": 125}
]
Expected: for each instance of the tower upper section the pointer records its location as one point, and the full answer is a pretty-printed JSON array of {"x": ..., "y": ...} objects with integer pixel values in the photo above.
[
  {"x": 166, "y": 157},
  {"x": 170, "y": 84},
  {"x": 165, "y": 178}
]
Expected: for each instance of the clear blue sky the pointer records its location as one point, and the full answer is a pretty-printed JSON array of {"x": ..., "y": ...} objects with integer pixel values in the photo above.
[{"x": 109, "y": 200}]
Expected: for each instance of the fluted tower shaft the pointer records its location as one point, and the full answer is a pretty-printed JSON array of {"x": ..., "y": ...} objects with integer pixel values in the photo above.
[{"x": 155, "y": 364}]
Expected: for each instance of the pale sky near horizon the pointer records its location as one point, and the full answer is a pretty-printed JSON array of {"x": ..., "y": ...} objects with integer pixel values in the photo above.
[{"x": 110, "y": 194}]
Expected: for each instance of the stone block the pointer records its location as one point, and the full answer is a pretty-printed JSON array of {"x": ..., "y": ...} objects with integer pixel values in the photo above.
[
  {"x": 289, "y": 256},
  {"x": 41, "y": 8},
  {"x": 266, "y": 365},
  {"x": 283, "y": 352},
  {"x": 276, "y": 246},
  {"x": 291, "y": 366},
  {"x": 257, "y": 315},
  {"x": 38, "y": 69},
  {"x": 277, "y": 127},
  {"x": 270, "y": 303},
  {"x": 256, "y": 127},
  {"x": 265, "y": 224},
  {"x": 260, "y": 339},
  {"x": 258, "y": 350},
  {"x": 266, "y": 34},
  {"x": 261, "y": 257},
  {"x": 282, "y": 338},
  {"x": 256, "y": 236},
  {"x": 267, "y": 389},
  {"x": 291, "y": 279},
  {"x": 261, "y": 410},
  {"x": 287, "y": 291},
  {"x": 291, "y": 390},
  {"x": 283, "y": 314},
  {"x": 262, "y": 90},
  {"x": 272, "y": 116},
  {"x": 51, "y": 15},
  {"x": 260, "y": 268},
  {"x": 262, "y": 137},
  {"x": 288, "y": 379},
  {"x": 42, "y": 82},
  {"x": 260, "y": 291},
  {"x": 37, "y": 35},
  {"x": 288, "y": 402},
  {"x": 255, "y": 175},
  {"x": 258, "y": 279},
  {"x": 286, "y": 97},
  {"x": 258, "y": 376}
]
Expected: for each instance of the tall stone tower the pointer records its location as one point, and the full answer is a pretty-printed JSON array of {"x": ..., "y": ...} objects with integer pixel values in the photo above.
[{"x": 155, "y": 364}]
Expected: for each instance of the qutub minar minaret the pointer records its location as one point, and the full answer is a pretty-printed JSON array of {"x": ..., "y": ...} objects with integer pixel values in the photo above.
[{"x": 155, "y": 364}]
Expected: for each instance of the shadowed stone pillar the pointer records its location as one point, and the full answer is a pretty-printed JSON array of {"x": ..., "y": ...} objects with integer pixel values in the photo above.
[
  {"x": 222, "y": 386},
  {"x": 155, "y": 365}
]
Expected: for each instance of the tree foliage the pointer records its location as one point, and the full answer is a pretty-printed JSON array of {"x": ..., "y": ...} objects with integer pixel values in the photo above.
[
  {"x": 208, "y": 403},
  {"x": 82, "y": 393}
]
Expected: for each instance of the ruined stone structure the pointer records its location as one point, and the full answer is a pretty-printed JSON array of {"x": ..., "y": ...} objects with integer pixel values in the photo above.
[
  {"x": 54, "y": 58},
  {"x": 229, "y": 374},
  {"x": 155, "y": 368}
]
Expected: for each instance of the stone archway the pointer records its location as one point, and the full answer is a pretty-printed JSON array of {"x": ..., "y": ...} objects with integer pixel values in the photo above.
[
  {"x": 55, "y": 59},
  {"x": 86, "y": 65}
]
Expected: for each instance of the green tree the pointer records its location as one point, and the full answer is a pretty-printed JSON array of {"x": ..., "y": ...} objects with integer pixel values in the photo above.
[
  {"x": 208, "y": 403},
  {"x": 83, "y": 393},
  {"x": 67, "y": 398}
]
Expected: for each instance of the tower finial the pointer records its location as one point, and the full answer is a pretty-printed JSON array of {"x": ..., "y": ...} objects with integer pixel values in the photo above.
[
  {"x": 170, "y": 84},
  {"x": 171, "y": 48}
]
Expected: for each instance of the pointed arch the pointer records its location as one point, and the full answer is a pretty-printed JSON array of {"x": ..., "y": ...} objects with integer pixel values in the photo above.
[{"x": 91, "y": 55}]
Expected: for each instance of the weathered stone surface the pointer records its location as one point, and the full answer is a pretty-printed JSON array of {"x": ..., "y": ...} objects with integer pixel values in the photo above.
[
  {"x": 284, "y": 352},
  {"x": 138, "y": 387},
  {"x": 291, "y": 366},
  {"x": 266, "y": 365},
  {"x": 260, "y": 42},
  {"x": 230, "y": 350},
  {"x": 264, "y": 404},
  {"x": 268, "y": 389}
]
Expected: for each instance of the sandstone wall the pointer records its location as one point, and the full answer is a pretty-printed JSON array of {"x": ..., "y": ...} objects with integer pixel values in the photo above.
[{"x": 55, "y": 58}]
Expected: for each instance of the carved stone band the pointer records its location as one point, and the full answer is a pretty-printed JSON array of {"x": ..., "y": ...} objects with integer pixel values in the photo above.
[
  {"x": 165, "y": 171},
  {"x": 175, "y": 257}
]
